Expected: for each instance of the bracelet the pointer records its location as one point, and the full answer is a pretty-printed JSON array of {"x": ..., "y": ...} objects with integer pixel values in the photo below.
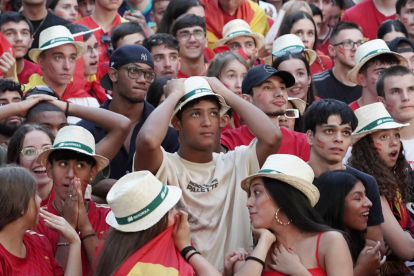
[
  {"x": 67, "y": 109},
  {"x": 192, "y": 254},
  {"x": 88, "y": 236},
  {"x": 255, "y": 259},
  {"x": 187, "y": 249},
  {"x": 63, "y": 243}
]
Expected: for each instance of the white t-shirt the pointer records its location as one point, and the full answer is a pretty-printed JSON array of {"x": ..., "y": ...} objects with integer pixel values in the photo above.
[
  {"x": 87, "y": 101},
  {"x": 409, "y": 151},
  {"x": 213, "y": 199}
]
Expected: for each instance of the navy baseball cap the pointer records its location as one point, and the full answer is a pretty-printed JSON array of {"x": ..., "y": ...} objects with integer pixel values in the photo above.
[
  {"x": 258, "y": 74},
  {"x": 393, "y": 45},
  {"x": 124, "y": 55}
]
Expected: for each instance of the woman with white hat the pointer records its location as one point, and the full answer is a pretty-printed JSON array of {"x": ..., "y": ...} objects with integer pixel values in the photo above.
[
  {"x": 377, "y": 150},
  {"x": 281, "y": 197},
  {"x": 148, "y": 236}
]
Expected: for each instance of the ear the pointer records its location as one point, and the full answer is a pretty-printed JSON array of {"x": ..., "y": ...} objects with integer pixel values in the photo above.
[
  {"x": 397, "y": 17},
  {"x": 331, "y": 50},
  {"x": 49, "y": 170},
  {"x": 179, "y": 64},
  {"x": 176, "y": 123},
  {"x": 30, "y": 43},
  {"x": 40, "y": 61},
  {"x": 361, "y": 80},
  {"x": 224, "y": 120},
  {"x": 113, "y": 74},
  {"x": 309, "y": 137},
  {"x": 247, "y": 97},
  {"x": 206, "y": 41},
  {"x": 381, "y": 99},
  {"x": 94, "y": 171},
  {"x": 309, "y": 81}
]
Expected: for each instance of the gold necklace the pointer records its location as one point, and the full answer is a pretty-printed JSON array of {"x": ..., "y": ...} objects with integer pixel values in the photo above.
[{"x": 293, "y": 246}]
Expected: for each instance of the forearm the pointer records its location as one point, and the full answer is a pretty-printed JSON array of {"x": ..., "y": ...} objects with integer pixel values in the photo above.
[
  {"x": 9, "y": 110},
  {"x": 74, "y": 261},
  {"x": 201, "y": 266},
  {"x": 89, "y": 242},
  {"x": 62, "y": 252},
  {"x": 252, "y": 267}
]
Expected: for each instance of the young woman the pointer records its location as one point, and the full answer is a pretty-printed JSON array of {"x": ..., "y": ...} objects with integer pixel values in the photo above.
[
  {"x": 377, "y": 150},
  {"x": 301, "y": 24},
  {"x": 24, "y": 252},
  {"x": 344, "y": 206},
  {"x": 25, "y": 145},
  {"x": 67, "y": 9},
  {"x": 390, "y": 29}
]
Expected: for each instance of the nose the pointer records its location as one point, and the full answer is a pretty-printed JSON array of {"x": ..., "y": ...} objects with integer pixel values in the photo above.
[
  {"x": 206, "y": 121},
  {"x": 405, "y": 96},
  {"x": 167, "y": 63},
  {"x": 338, "y": 137},
  {"x": 192, "y": 38},
  {"x": 367, "y": 203},
  {"x": 395, "y": 141},
  {"x": 66, "y": 64},
  {"x": 249, "y": 202},
  {"x": 73, "y": 11},
  {"x": 89, "y": 7},
  {"x": 70, "y": 173},
  {"x": 19, "y": 36},
  {"x": 239, "y": 82},
  {"x": 282, "y": 119}
]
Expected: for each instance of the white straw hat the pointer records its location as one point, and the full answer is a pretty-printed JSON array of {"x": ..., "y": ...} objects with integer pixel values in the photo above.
[
  {"x": 371, "y": 118},
  {"x": 196, "y": 87},
  {"x": 289, "y": 169},
  {"x": 367, "y": 51},
  {"x": 293, "y": 44},
  {"x": 56, "y": 36},
  {"x": 138, "y": 201},
  {"x": 299, "y": 104},
  {"x": 78, "y": 139},
  {"x": 236, "y": 28}
]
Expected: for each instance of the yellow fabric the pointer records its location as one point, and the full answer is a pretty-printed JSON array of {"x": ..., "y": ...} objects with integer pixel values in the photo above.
[
  {"x": 141, "y": 269},
  {"x": 123, "y": 20},
  {"x": 34, "y": 80}
]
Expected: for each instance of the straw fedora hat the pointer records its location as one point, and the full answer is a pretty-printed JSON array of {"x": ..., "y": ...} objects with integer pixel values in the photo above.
[
  {"x": 78, "y": 139},
  {"x": 236, "y": 28},
  {"x": 299, "y": 103},
  {"x": 138, "y": 201},
  {"x": 289, "y": 169},
  {"x": 196, "y": 87},
  {"x": 367, "y": 51},
  {"x": 371, "y": 118},
  {"x": 293, "y": 44},
  {"x": 56, "y": 36}
]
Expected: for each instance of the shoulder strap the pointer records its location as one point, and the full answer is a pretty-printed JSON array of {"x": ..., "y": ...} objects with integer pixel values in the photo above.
[{"x": 317, "y": 248}]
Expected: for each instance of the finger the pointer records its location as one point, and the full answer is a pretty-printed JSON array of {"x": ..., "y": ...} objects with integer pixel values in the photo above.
[
  {"x": 377, "y": 247},
  {"x": 384, "y": 259},
  {"x": 282, "y": 249}
]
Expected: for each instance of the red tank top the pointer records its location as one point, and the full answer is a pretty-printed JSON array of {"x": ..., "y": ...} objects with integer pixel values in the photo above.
[{"x": 318, "y": 271}]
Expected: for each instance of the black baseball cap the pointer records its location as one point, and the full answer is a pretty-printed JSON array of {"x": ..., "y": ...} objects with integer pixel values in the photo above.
[
  {"x": 393, "y": 45},
  {"x": 124, "y": 55},
  {"x": 258, "y": 74}
]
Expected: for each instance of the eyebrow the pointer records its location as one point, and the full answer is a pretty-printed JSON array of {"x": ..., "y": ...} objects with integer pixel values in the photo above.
[
  {"x": 335, "y": 126},
  {"x": 13, "y": 29}
]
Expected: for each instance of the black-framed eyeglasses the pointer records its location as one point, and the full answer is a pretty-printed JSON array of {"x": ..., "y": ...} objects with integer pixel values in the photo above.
[
  {"x": 96, "y": 48},
  {"x": 136, "y": 72},
  {"x": 185, "y": 35},
  {"x": 106, "y": 39},
  {"x": 31, "y": 153},
  {"x": 349, "y": 45},
  {"x": 41, "y": 89}
]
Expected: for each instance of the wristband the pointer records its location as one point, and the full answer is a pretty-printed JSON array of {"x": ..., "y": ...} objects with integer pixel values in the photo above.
[
  {"x": 67, "y": 109},
  {"x": 88, "y": 236},
  {"x": 187, "y": 249},
  {"x": 192, "y": 254},
  {"x": 255, "y": 259},
  {"x": 63, "y": 243}
]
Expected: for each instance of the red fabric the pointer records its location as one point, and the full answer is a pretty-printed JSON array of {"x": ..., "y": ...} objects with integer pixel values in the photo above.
[
  {"x": 236, "y": 121},
  {"x": 294, "y": 143},
  {"x": 39, "y": 258},
  {"x": 95, "y": 89},
  {"x": 208, "y": 54},
  {"x": 316, "y": 67},
  {"x": 181, "y": 75},
  {"x": 225, "y": 48},
  {"x": 323, "y": 47},
  {"x": 366, "y": 15},
  {"x": 29, "y": 69},
  {"x": 97, "y": 214},
  {"x": 4, "y": 47},
  {"x": 216, "y": 23},
  {"x": 78, "y": 75},
  {"x": 159, "y": 251},
  {"x": 74, "y": 91},
  {"x": 354, "y": 105},
  {"x": 48, "y": 199}
]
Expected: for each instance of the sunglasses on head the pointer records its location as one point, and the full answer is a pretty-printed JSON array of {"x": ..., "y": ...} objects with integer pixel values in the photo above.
[
  {"x": 41, "y": 90},
  {"x": 106, "y": 39}
]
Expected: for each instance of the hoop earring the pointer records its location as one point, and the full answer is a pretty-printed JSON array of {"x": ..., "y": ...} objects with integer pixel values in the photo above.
[{"x": 279, "y": 221}]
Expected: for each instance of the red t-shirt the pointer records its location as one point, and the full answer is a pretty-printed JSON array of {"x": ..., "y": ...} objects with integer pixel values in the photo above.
[
  {"x": 29, "y": 69},
  {"x": 294, "y": 143},
  {"x": 97, "y": 214},
  {"x": 323, "y": 44},
  {"x": 181, "y": 75},
  {"x": 317, "y": 67},
  {"x": 39, "y": 258},
  {"x": 354, "y": 105},
  {"x": 48, "y": 199},
  {"x": 366, "y": 15}
]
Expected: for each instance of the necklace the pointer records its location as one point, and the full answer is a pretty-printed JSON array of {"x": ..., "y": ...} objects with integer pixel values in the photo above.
[
  {"x": 291, "y": 248},
  {"x": 37, "y": 29},
  {"x": 54, "y": 205}
]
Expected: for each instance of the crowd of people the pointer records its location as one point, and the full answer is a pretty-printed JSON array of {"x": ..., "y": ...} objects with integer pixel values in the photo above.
[{"x": 206, "y": 137}]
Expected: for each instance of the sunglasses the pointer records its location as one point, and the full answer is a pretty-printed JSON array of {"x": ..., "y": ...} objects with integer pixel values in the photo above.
[
  {"x": 41, "y": 90},
  {"x": 106, "y": 39},
  {"x": 291, "y": 113}
]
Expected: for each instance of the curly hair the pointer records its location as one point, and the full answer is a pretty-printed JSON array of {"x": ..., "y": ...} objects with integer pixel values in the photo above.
[{"x": 366, "y": 158}]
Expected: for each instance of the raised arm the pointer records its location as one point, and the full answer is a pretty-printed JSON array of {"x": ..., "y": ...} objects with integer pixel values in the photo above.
[
  {"x": 21, "y": 108},
  {"x": 148, "y": 155},
  {"x": 268, "y": 134}
]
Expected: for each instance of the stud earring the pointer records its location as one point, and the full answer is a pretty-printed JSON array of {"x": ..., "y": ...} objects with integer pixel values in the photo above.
[{"x": 279, "y": 221}]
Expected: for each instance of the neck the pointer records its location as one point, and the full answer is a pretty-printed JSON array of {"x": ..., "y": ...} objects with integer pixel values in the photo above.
[
  {"x": 407, "y": 133},
  {"x": 323, "y": 31},
  {"x": 288, "y": 236},
  {"x": 367, "y": 97},
  {"x": 226, "y": 9},
  {"x": 43, "y": 191},
  {"x": 386, "y": 7},
  {"x": 19, "y": 65},
  {"x": 11, "y": 237},
  {"x": 340, "y": 71},
  {"x": 104, "y": 18},
  {"x": 193, "y": 67},
  {"x": 278, "y": 5},
  {"x": 195, "y": 156},
  {"x": 34, "y": 12},
  {"x": 320, "y": 166},
  {"x": 138, "y": 6},
  {"x": 132, "y": 111},
  {"x": 87, "y": 77},
  {"x": 59, "y": 89}
]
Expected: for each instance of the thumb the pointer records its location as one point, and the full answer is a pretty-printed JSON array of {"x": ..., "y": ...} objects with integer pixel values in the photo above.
[{"x": 11, "y": 50}]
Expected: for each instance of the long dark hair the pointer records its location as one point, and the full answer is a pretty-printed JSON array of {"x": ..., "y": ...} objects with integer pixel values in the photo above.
[
  {"x": 120, "y": 245},
  {"x": 333, "y": 187},
  {"x": 366, "y": 158}
]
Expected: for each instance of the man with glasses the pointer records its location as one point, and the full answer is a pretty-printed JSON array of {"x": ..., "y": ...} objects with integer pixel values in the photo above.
[
  {"x": 130, "y": 75},
  {"x": 190, "y": 30},
  {"x": 345, "y": 39},
  {"x": 265, "y": 87}
]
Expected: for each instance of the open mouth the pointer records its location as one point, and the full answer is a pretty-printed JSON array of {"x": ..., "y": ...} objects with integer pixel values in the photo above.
[
  {"x": 365, "y": 214},
  {"x": 393, "y": 154},
  {"x": 39, "y": 170},
  {"x": 93, "y": 63}
]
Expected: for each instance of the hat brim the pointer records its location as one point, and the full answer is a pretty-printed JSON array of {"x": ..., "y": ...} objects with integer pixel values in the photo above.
[
  {"x": 352, "y": 75},
  {"x": 101, "y": 162},
  {"x": 307, "y": 188},
  {"x": 106, "y": 82},
  {"x": 300, "y": 104},
  {"x": 355, "y": 137},
  {"x": 258, "y": 38},
  {"x": 80, "y": 49},
  {"x": 310, "y": 57},
  {"x": 173, "y": 196}
]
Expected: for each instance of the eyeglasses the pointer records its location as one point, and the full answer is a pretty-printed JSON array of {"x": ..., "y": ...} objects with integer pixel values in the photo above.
[
  {"x": 291, "y": 113},
  {"x": 349, "y": 45},
  {"x": 185, "y": 35},
  {"x": 136, "y": 72},
  {"x": 96, "y": 48},
  {"x": 106, "y": 39},
  {"x": 31, "y": 153},
  {"x": 41, "y": 89}
]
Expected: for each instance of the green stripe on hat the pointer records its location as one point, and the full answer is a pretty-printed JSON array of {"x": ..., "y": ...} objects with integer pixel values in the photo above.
[
  {"x": 375, "y": 123},
  {"x": 192, "y": 93},
  {"x": 75, "y": 146},
  {"x": 383, "y": 50},
  {"x": 146, "y": 210},
  {"x": 268, "y": 171},
  {"x": 292, "y": 47},
  {"x": 55, "y": 40},
  {"x": 238, "y": 33}
]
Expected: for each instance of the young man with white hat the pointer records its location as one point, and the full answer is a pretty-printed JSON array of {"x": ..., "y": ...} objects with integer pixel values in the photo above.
[
  {"x": 210, "y": 181},
  {"x": 329, "y": 124},
  {"x": 265, "y": 87},
  {"x": 371, "y": 59}
]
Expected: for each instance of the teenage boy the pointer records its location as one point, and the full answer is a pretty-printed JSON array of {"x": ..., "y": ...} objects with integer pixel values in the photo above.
[
  {"x": 127, "y": 33},
  {"x": 164, "y": 48},
  {"x": 371, "y": 59},
  {"x": 18, "y": 31},
  {"x": 395, "y": 88},
  {"x": 345, "y": 39},
  {"x": 325, "y": 31},
  {"x": 405, "y": 13},
  {"x": 190, "y": 30},
  {"x": 158, "y": 10},
  {"x": 329, "y": 124},
  {"x": 261, "y": 88},
  {"x": 10, "y": 92},
  {"x": 210, "y": 182}
]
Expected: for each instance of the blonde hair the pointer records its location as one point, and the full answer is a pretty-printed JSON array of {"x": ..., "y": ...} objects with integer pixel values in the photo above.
[{"x": 292, "y": 6}]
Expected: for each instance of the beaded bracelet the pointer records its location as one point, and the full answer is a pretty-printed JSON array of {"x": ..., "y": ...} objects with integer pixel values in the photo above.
[
  {"x": 255, "y": 259},
  {"x": 63, "y": 243},
  {"x": 187, "y": 249},
  {"x": 67, "y": 109},
  {"x": 192, "y": 254},
  {"x": 88, "y": 236}
]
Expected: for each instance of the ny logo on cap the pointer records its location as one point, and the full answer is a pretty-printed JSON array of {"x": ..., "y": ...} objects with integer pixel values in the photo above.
[
  {"x": 143, "y": 56},
  {"x": 269, "y": 69}
]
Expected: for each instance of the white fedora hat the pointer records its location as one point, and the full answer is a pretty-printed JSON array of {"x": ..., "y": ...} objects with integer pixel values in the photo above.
[
  {"x": 138, "y": 201},
  {"x": 371, "y": 118},
  {"x": 289, "y": 169},
  {"x": 236, "y": 28},
  {"x": 56, "y": 36},
  {"x": 78, "y": 139},
  {"x": 196, "y": 87},
  {"x": 299, "y": 104},
  {"x": 291, "y": 43},
  {"x": 369, "y": 50}
]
